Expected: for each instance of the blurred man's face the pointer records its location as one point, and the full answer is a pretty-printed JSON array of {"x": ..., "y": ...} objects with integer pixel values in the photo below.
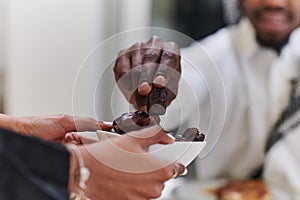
[{"x": 273, "y": 20}]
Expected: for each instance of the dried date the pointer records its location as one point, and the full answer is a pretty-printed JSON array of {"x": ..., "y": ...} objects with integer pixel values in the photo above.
[
  {"x": 132, "y": 121},
  {"x": 190, "y": 134},
  {"x": 156, "y": 104}
]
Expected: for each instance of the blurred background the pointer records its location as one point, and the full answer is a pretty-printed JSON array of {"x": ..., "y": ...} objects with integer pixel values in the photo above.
[
  {"x": 44, "y": 43},
  {"x": 44, "y": 46}
]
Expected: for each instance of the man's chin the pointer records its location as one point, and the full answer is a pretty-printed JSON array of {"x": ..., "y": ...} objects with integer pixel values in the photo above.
[{"x": 272, "y": 40}]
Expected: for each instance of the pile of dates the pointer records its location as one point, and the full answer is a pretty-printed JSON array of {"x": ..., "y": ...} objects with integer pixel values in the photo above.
[
  {"x": 137, "y": 120},
  {"x": 190, "y": 134},
  {"x": 133, "y": 121}
]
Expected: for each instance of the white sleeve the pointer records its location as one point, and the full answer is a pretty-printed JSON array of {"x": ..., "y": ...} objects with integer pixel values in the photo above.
[
  {"x": 282, "y": 166},
  {"x": 197, "y": 87}
]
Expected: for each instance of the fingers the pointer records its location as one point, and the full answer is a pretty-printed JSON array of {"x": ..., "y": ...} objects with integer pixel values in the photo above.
[
  {"x": 169, "y": 70},
  {"x": 155, "y": 180},
  {"x": 170, "y": 59},
  {"x": 157, "y": 100},
  {"x": 140, "y": 100},
  {"x": 144, "y": 64},
  {"x": 72, "y": 138},
  {"x": 87, "y": 140},
  {"x": 122, "y": 74},
  {"x": 161, "y": 137},
  {"x": 79, "y": 124},
  {"x": 104, "y": 126},
  {"x": 179, "y": 170},
  {"x": 150, "y": 61},
  {"x": 173, "y": 171},
  {"x": 77, "y": 139}
]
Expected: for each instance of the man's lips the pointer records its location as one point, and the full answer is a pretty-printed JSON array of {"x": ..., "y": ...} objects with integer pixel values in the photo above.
[{"x": 273, "y": 20}]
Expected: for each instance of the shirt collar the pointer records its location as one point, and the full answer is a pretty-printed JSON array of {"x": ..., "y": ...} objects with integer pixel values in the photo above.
[
  {"x": 244, "y": 34},
  {"x": 293, "y": 44}
]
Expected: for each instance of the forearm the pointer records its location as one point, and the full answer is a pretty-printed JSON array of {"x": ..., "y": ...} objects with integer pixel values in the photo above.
[{"x": 9, "y": 122}]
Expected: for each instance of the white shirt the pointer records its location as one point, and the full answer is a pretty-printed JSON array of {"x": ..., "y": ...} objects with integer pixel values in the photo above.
[{"x": 256, "y": 83}]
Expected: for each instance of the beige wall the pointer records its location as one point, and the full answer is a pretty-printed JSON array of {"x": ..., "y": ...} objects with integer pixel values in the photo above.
[
  {"x": 48, "y": 41},
  {"x": 2, "y": 31},
  {"x": 2, "y": 4}
]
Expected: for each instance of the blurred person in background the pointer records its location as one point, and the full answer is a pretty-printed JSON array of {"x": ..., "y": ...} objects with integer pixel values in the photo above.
[
  {"x": 259, "y": 61},
  {"x": 35, "y": 163}
]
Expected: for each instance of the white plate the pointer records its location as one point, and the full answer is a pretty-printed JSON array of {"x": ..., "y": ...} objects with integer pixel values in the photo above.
[{"x": 182, "y": 152}]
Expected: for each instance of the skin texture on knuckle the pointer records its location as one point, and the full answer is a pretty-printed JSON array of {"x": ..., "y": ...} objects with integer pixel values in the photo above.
[
  {"x": 155, "y": 40},
  {"x": 137, "y": 58},
  {"x": 167, "y": 173},
  {"x": 136, "y": 46},
  {"x": 173, "y": 44},
  {"x": 121, "y": 66},
  {"x": 175, "y": 47},
  {"x": 169, "y": 65},
  {"x": 170, "y": 57},
  {"x": 92, "y": 124},
  {"x": 151, "y": 55},
  {"x": 67, "y": 122},
  {"x": 65, "y": 118}
]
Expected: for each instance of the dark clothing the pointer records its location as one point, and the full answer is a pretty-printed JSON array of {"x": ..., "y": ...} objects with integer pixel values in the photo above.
[{"x": 32, "y": 169}]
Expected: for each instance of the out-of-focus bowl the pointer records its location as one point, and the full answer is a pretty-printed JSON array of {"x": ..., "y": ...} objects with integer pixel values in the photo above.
[{"x": 181, "y": 152}]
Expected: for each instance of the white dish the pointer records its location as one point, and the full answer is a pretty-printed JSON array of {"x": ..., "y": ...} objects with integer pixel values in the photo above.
[{"x": 182, "y": 152}]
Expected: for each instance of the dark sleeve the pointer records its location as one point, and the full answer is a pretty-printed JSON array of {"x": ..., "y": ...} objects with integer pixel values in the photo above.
[{"x": 32, "y": 169}]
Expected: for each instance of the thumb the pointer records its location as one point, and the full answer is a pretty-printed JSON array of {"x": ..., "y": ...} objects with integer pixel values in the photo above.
[{"x": 104, "y": 126}]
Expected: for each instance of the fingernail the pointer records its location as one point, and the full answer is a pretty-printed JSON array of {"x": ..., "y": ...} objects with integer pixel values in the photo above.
[
  {"x": 171, "y": 136},
  {"x": 185, "y": 172},
  {"x": 144, "y": 88},
  {"x": 160, "y": 81}
]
